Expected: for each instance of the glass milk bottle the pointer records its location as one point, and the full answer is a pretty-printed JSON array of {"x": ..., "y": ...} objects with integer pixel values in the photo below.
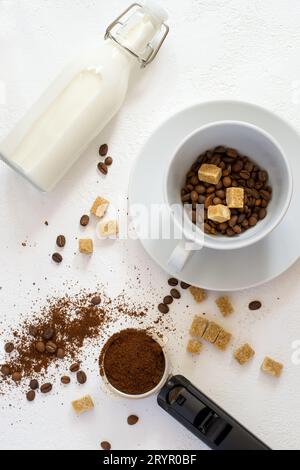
[{"x": 83, "y": 98}]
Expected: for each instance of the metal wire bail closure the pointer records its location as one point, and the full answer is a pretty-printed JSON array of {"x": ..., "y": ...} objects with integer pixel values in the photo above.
[{"x": 144, "y": 61}]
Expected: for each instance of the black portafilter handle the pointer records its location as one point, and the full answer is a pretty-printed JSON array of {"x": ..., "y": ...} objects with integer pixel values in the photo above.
[{"x": 204, "y": 418}]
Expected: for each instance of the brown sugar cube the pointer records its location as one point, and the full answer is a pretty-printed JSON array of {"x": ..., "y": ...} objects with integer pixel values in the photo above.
[
  {"x": 223, "y": 340},
  {"x": 83, "y": 404},
  {"x": 194, "y": 346},
  {"x": 99, "y": 207},
  {"x": 198, "y": 293},
  {"x": 212, "y": 332},
  {"x": 235, "y": 198},
  {"x": 218, "y": 213},
  {"x": 271, "y": 367},
  {"x": 109, "y": 228},
  {"x": 244, "y": 353},
  {"x": 224, "y": 305},
  {"x": 209, "y": 173},
  {"x": 86, "y": 246},
  {"x": 198, "y": 326}
]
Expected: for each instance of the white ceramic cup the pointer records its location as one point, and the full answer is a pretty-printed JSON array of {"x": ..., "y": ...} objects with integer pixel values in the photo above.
[{"x": 249, "y": 140}]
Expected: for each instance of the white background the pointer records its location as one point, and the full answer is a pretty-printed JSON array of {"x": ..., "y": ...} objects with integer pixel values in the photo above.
[{"x": 243, "y": 49}]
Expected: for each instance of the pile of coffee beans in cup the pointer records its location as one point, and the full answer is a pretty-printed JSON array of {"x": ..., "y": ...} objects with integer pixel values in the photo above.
[{"x": 233, "y": 189}]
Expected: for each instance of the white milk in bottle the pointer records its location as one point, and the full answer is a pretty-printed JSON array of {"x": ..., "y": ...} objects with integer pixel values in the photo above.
[{"x": 83, "y": 98}]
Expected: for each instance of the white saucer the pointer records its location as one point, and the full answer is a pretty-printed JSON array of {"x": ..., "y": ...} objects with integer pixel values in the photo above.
[{"x": 207, "y": 268}]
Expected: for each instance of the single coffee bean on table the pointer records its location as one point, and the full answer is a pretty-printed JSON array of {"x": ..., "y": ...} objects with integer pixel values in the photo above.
[
  {"x": 168, "y": 299},
  {"x": 9, "y": 347},
  {"x": 105, "y": 445},
  {"x": 75, "y": 367},
  {"x": 46, "y": 388},
  {"x": 184, "y": 285},
  {"x": 132, "y": 420},
  {"x": 40, "y": 346},
  {"x": 16, "y": 376},
  {"x": 65, "y": 380},
  {"x": 48, "y": 333},
  {"x": 33, "y": 384},
  {"x": 57, "y": 258},
  {"x": 175, "y": 293},
  {"x": 5, "y": 370},
  {"x": 51, "y": 347},
  {"x": 61, "y": 241},
  {"x": 33, "y": 331},
  {"x": 108, "y": 161},
  {"x": 103, "y": 150},
  {"x": 230, "y": 170},
  {"x": 255, "y": 305},
  {"x": 84, "y": 220},
  {"x": 173, "y": 282},
  {"x": 102, "y": 168},
  {"x": 30, "y": 395},
  {"x": 96, "y": 300},
  {"x": 81, "y": 377},
  {"x": 163, "y": 308},
  {"x": 60, "y": 353}
]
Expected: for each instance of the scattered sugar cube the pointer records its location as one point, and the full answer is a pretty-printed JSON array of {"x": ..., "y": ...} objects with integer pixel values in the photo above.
[
  {"x": 86, "y": 246},
  {"x": 99, "y": 207},
  {"x": 218, "y": 213},
  {"x": 198, "y": 326},
  {"x": 194, "y": 346},
  {"x": 223, "y": 340},
  {"x": 235, "y": 198},
  {"x": 212, "y": 332},
  {"x": 198, "y": 293},
  {"x": 244, "y": 353},
  {"x": 271, "y": 367},
  {"x": 224, "y": 305},
  {"x": 109, "y": 228},
  {"x": 83, "y": 404}
]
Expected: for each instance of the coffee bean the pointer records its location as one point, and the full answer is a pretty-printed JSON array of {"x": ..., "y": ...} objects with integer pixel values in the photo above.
[
  {"x": 108, "y": 161},
  {"x": 194, "y": 196},
  {"x": 173, "y": 282},
  {"x": 168, "y": 300},
  {"x": 175, "y": 293},
  {"x": 48, "y": 333},
  {"x": 9, "y": 347},
  {"x": 210, "y": 190},
  {"x": 217, "y": 200},
  {"x": 132, "y": 420},
  {"x": 16, "y": 376},
  {"x": 75, "y": 367},
  {"x": 105, "y": 445},
  {"x": 232, "y": 153},
  {"x": 263, "y": 176},
  {"x": 265, "y": 195},
  {"x": 220, "y": 194},
  {"x": 33, "y": 331},
  {"x": 57, "y": 258},
  {"x": 262, "y": 213},
  {"x": 227, "y": 181},
  {"x": 103, "y": 150},
  {"x": 220, "y": 149},
  {"x": 200, "y": 189},
  {"x": 201, "y": 199},
  {"x": 60, "y": 353},
  {"x": 233, "y": 220},
  {"x": 237, "y": 166},
  {"x": 5, "y": 370},
  {"x": 96, "y": 300},
  {"x": 252, "y": 221},
  {"x": 194, "y": 180},
  {"x": 237, "y": 229},
  {"x": 186, "y": 198},
  {"x": 245, "y": 174},
  {"x": 184, "y": 285},
  {"x": 65, "y": 380},
  {"x": 40, "y": 347},
  {"x": 33, "y": 384},
  {"x": 254, "y": 305},
  {"x": 84, "y": 220},
  {"x": 102, "y": 168},
  {"x": 163, "y": 308},
  {"x": 30, "y": 395},
  {"x": 46, "y": 388},
  {"x": 51, "y": 347},
  {"x": 61, "y": 241},
  {"x": 81, "y": 377}
]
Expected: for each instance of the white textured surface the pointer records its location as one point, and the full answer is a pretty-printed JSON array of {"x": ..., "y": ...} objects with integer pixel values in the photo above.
[{"x": 244, "y": 49}]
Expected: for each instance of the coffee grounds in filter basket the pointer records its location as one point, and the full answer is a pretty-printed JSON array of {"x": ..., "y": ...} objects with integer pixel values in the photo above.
[{"x": 132, "y": 361}]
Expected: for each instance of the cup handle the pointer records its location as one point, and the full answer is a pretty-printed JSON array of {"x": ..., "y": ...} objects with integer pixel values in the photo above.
[{"x": 179, "y": 257}]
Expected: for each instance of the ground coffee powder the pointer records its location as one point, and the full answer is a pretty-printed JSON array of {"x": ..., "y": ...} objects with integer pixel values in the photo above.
[{"x": 132, "y": 361}]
